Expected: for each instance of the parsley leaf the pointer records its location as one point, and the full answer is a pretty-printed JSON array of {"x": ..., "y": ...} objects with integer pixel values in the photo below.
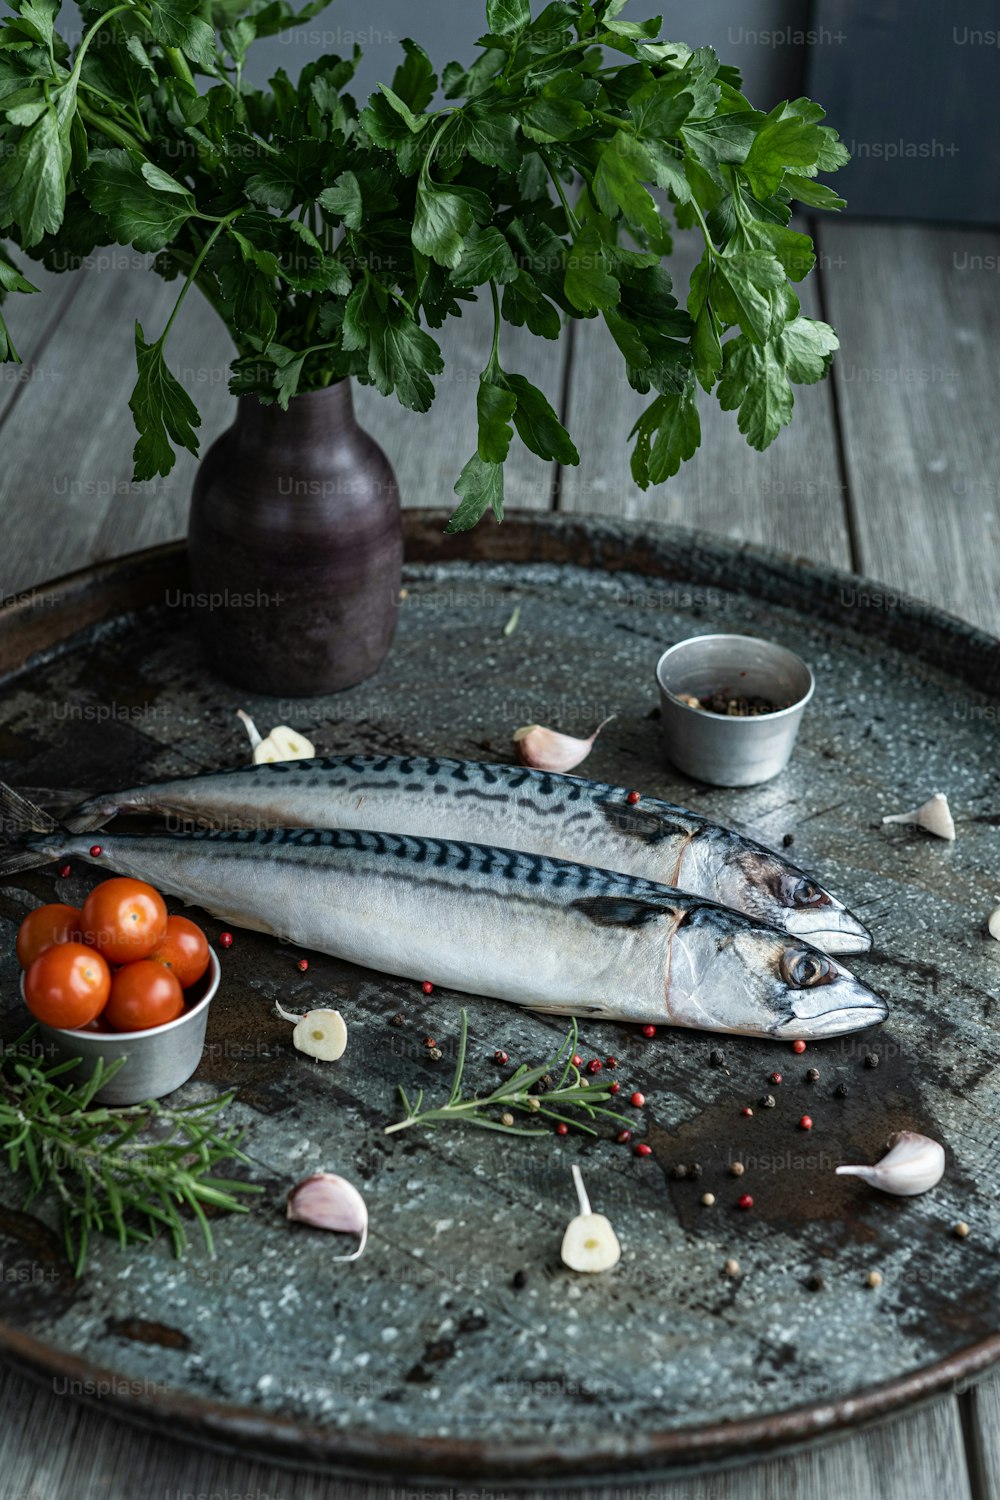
[
  {"x": 495, "y": 403},
  {"x": 537, "y": 424},
  {"x": 164, "y": 412},
  {"x": 503, "y": 16},
  {"x": 486, "y": 256},
  {"x": 440, "y": 223},
  {"x": 480, "y": 486},
  {"x": 143, "y": 205}
]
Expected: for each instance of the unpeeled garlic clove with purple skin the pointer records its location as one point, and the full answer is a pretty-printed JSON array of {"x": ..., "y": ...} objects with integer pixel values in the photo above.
[
  {"x": 548, "y": 750},
  {"x": 934, "y": 816},
  {"x": 913, "y": 1164},
  {"x": 326, "y": 1201}
]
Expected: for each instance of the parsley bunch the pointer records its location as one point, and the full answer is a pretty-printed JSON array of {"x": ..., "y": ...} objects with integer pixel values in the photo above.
[{"x": 332, "y": 239}]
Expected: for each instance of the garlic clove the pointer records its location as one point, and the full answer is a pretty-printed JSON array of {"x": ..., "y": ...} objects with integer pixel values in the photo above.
[
  {"x": 319, "y": 1033},
  {"x": 325, "y": 1201},
  {"x": 994, "y": 924},
  {"x": 913, "y": 1164},
  {"x": 934, "y": 815},
  {"x": 253, "y": 732},
  {"x": 589, "y": 1243},
  {"x": 548, "y": 750},
  {"x": 283, "y": 744}
]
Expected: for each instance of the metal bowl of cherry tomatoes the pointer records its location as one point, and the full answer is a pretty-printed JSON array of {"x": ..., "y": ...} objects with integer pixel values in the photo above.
[{"x": 118, "y": 982}]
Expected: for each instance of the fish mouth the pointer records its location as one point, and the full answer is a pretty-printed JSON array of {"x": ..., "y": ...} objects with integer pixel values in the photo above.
[
  {"x": 832, "y": 928},
  {"x": 832, "y": 1010}
]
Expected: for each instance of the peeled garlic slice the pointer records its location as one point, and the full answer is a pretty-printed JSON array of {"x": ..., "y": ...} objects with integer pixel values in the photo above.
[
  {"x": 914, "y": 1164},
  {"x": 934, "y": 815},
  {"x": 319, "y": 1033},
  {"x": 548, "y": 750},
  {"x": 589, "y": 1244},
  {"x": 281, "y": 744},
  {"x": 326, "y": 1201}
]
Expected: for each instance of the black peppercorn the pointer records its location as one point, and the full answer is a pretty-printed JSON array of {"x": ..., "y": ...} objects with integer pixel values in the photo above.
[
  {"x": 812, "y": 1075},
  {"x": 679, "y": 1172},
  {"x": 694, "y": 1170},
  {"x": 841, "y": 1091},
  {"x": 767, "y": 1102},
  {"x": 717, "y": 1058},
  {"x": 788, "y": 840},
  {"x": 519, "y": 1279},
  {"x": 871, "y": 1059},
  {"x": 815, "y": 1282},
  {"x": 398, "y": 1019}
]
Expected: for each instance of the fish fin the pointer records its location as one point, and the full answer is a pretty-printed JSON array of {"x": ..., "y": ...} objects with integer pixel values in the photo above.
[
  {"x": 644, "y": 824},
  {"x": 19, "y": 818},
  {"x": 88, "y": 817},
  {"x": 621, "y": 911}
]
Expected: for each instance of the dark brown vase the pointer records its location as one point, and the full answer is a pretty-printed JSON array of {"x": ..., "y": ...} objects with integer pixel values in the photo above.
[{"x": 296, "y": 547}]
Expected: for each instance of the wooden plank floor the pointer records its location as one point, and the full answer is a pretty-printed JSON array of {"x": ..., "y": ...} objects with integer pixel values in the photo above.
[{"x": 893, "y": 468}]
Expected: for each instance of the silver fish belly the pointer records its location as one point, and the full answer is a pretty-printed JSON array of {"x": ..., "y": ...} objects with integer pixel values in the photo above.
[
  {"x": 567, "y": 817},
  {"x": 539, "y": 932}
]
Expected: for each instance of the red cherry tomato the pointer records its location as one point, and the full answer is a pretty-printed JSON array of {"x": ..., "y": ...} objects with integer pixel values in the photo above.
[
  {"x": 46, "y": 925},
  {"x": 143, "y": 995},
  {"x": 124, "y": 919},
  {"x": 67, "y": 986},
  {"x": 183, "y": 950}
]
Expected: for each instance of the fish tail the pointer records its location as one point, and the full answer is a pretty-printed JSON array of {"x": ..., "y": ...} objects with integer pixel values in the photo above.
[{"x": 19, "y": 819}]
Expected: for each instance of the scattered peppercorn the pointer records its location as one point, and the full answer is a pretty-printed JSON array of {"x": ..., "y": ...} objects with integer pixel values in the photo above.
[
  {"x": 435, "y": 1054},
  {"x": 788, "y": 840},
  {"x": 841, "y": 1091},
  {"x": 500, "y": 1057},
  {"x": 694, "y": 1170},
  {"x": 799, "y": 1046},
  {"x": 679, "y": 1171},
  {"x": 506, "y": 1118},
  {"x": 576, "y": 1059},
  {"x": 732, "y": 1267},
  {"x": 96, "y": 851},
  {"x": 613, "y": 1088},
  {"x": 962, "y": 1229},
  {"x": 871, "y": 1059},
  {"x": 745, "y": 1201},
  {"x": 775, "y": 1077},
  {"x": 708, "y": 1200},
  {"x": 398, "y": 1019},
  {"x": 65, "y": 870},
  {"x": 874, "y": 1278},
  {"x": 519, "y": 1280},
  {"x": 534, "y": 1103},
  {"x": 767, "y": 1102},
  {"x": 813, "y": 1075},
  {"x": 815, "y": 1282},
  {"x": 717, "y": 1058},
  {"x": 303, "y": 964},
  {"x": 562, "y": 1128},
  {"x": 632, "y": 798},
  {"x": 806, "y": 1123},
  {"x": 595, "y": 1065},
  {"x": 746, "y": 1110},
  {"x": 643, "y": 1150},
  {"x": 427, "y": 987},
  {"x": 736, "y": 1169},
  {"x": 623, "y": 1137},
  {"x": 225, "y": 940},
  {"x": 637, "y": 1099},
  {"x": 649, "y": 1031},
  {"x": 611, "y": 1062},
  {"x": 429, "y": 1041}
]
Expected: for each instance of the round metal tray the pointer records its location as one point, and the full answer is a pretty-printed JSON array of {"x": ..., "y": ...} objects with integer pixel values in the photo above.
[{"x": 424, "y": 1359}]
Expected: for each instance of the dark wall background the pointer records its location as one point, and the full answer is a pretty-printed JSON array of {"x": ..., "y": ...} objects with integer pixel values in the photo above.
[{"x": 914, "y": 89}]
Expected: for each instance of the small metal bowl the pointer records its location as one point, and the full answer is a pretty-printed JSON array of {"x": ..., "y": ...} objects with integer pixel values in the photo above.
[
  {"x": 157, "y": 1061},
  {"x": 723, "y": 749}
]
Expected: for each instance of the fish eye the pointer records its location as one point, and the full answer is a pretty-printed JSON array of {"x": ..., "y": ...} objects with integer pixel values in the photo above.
[
  {"x": 807, "y": 893},
  {"x": 803, "y": 969}
]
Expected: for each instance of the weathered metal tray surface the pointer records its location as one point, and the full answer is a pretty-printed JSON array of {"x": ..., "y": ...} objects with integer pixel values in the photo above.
[{"x": 424, "y": 1359}]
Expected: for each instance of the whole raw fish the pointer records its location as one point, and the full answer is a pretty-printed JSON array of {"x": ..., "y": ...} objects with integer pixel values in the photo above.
[
  {"x": 567, "y": 817},
  {"x": 540, "y": 932}
]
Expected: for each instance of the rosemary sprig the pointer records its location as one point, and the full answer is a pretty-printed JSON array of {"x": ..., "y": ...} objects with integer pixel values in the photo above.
[
  {"x": 571, "y": 1092},
  {"x": 129, "y": 1171}
]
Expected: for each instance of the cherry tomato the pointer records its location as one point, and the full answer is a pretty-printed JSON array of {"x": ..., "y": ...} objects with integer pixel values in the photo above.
[
  {"x": 143, "y": 995},
  {"x": 46, "y": 925},
  {"x": 67, "y": 986},
  {"x": 124, "y": 919},
  {"x": 184, "y": 950}
]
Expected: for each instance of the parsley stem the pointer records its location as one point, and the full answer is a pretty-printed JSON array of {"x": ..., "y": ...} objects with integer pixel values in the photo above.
[
  {"x": 195, "y": 268},
  {"x": 571, "y": 217},
  {"x": 109, "y": 128},
  {"x": 495, "y": 351},
  {"x": 88, "y": 37}
]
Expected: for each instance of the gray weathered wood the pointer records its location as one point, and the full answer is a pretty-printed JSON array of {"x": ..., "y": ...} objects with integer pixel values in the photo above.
[
  {"x": 918, "y": 313},
  {"x": 49, "y": 1449},
  {"x": 985, "y": 1414},
  {"x": 790, "y": 497}
]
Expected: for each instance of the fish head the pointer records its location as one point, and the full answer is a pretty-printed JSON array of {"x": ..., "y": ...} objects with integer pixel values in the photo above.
[
  {"x": 749, "y": 878},
  {"x": 728, "y": 973}
]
